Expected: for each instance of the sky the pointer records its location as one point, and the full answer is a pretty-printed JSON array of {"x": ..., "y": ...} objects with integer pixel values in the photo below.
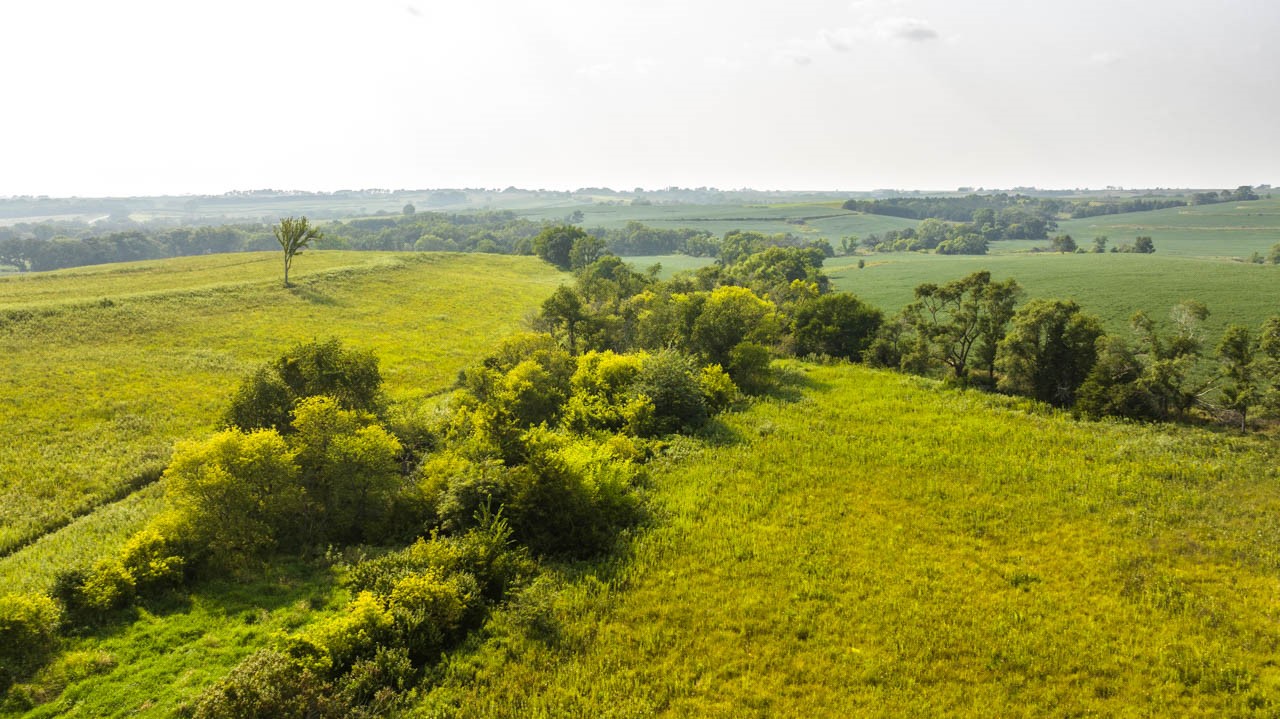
[{"x": 138, "y": 97}]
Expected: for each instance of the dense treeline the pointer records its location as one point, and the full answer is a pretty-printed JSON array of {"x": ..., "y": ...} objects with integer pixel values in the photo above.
[{"x": 52, "y": 246}]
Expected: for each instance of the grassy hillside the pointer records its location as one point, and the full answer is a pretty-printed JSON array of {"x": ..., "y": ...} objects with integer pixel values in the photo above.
[
  {"x": 107, "y": 366},
  {"x": 881, "y": 547},
  {"x": 1112, "y": 286}
]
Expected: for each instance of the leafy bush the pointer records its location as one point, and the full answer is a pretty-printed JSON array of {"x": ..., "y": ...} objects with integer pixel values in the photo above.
[
  {"x": 152, "y": 560},
  {"x": 749, "y": 367},
  {"x": 718, "y": 390},
  {"x": 237, "y": 494},
  {"x": 430, "y": 609},
  {"x": 270, "y": 683},
  {"x": 28, "y": 634},
  {"x": 266, "y": 398},
  {"x": 363, "y": 626},
  {"x": 670, "y": 382},
  {"x": 838, "y": 324}
]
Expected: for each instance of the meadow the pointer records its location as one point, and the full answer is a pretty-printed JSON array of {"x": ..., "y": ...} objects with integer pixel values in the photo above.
[
  {"x": 108, "y": 366},
  {"x": 869, "y": 544}
]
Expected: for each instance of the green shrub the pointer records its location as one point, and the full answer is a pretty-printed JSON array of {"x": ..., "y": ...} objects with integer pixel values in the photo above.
[
  {"x": 28, "y": 634},
  {"x": 270, "y": 683},
  {"x": 265, "y": 399},
  {"x": 430, "y": 609},
  {"x": 718, "y": 390},
  {"x": 669, "y": 381},
  {"x": 363, "y": 626},
  {"x": 152, "y": 560},
  {"x": 749, "y": 367}
]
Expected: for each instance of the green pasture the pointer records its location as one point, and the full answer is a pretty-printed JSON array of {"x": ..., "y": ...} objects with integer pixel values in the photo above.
[
  {"x": 873, "y": 545},
  {"x": 1112, "y": 286},
  {"x": 106, "y": 367}
]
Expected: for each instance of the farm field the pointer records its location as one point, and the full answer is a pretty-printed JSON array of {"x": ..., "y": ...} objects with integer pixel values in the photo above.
[
  {"x": 1112, "y": 286},
  {"x": 818, "y": 220},
  {"x": 878, "y": 546},
  {"x": 1225, "y": 230},
  {"x": 106, "y": 367}
]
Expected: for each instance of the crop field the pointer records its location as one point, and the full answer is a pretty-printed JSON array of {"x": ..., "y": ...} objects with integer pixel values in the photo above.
[
  {"x": 107, "y": 367},
  {"x": 818, "y": 220},
  {"x": 1112, "y": 286},
  {"x": 878, "y": 546},
  {"x": 1226, "y": 230}
]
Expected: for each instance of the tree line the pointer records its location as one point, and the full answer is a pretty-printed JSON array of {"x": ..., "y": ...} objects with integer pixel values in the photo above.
[{"x": 1019, "y": 217}]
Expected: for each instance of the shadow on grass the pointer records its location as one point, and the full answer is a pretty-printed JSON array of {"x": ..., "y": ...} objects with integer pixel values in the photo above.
[
  {"x": 280, "y": 584},
  {"x": 313, "y": 296},
  {"x": 791, "y": 382}
]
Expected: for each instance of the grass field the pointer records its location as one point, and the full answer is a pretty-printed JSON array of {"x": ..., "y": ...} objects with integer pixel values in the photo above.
[
  {"x": 106, "y": 367},
  {"x": 1112, "y": 286},
  {"x": 881, "y": 547}
]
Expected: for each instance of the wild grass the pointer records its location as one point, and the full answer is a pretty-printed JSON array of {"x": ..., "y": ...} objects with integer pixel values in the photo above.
[
  {"x": 881, "y": 547},
  {"x": 107, "y": 367},
  {"x": 174, "y": 648}
]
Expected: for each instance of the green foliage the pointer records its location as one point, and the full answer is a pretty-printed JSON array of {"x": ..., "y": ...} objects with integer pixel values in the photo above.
[
  {"x": 1049, "y": 351},
  {"x": 28, "y": 634},
  {"x": 1062, "y": 244},
  {"x": 555, "y": 244},
  {"x": 837, "y": 325},
  {"x": 959, "y": 322},
  {"x": 238, "y": 494},
  {"x": 749, "y": 367},
  {"x": 270, "y": 683},
  {"x": 353, "y": 634},
  {"x": 718, "y": 390},
  {"x": 601, "y": 396},
  {"x": 430, "y": 610},
  {"x": 350, "y": 471},
  {"x": 266, "y": 399},
  {"x": 728, "y": 317},
  {"x": 152, "y": 560},
  {"x": 669, "y": 381}
]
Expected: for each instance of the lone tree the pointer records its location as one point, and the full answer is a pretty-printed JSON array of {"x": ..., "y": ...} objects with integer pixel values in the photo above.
[{"x": 293, "y": 235}]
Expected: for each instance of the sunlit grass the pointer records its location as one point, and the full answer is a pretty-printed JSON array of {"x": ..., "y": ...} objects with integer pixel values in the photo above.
[
  {"x": 881, "y": 547},
  {"x": 106, "y": 368}
]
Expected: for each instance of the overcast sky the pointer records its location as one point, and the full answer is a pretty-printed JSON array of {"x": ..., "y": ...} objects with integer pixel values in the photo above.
[{"x": 140, "y": 97}]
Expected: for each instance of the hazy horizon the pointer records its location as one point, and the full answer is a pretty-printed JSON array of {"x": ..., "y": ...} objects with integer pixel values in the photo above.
[{"x": 152, "y": 98}]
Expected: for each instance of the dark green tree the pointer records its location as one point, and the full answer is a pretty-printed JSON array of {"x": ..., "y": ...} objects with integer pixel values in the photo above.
[
  {"x": 1062, "y": 243},
  {"x": 1237, "y": 351},
  {"x": 555, "y": 244},
  {"x": 1049, "y": 350},
  {"x": 837, "y": 324}
]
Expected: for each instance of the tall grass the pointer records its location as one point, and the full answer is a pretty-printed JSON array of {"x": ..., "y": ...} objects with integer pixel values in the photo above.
[{"x": 881, "y": 547}]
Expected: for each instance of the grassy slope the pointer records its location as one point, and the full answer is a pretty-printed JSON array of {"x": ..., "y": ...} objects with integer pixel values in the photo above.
[
  {"x": 106, "y": 367},
  {"x": 885, "y": 548}
]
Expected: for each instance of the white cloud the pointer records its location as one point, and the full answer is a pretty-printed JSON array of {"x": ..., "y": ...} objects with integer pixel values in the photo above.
[
  {"x": 1105, "y": 58},
  {"x": 906, "y": 28},
  {"x": 792, "y": 57},
  {"x": 598, "y": 70},
  {"x": 841, "y": 39}
]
